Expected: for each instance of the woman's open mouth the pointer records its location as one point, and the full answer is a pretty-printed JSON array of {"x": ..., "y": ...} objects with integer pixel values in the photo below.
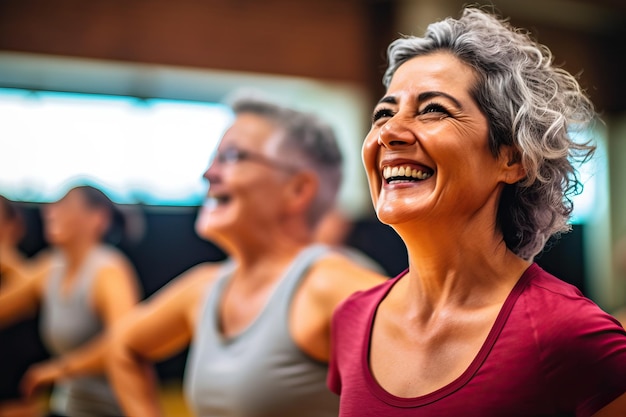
[{"x": 405, "y": 173}]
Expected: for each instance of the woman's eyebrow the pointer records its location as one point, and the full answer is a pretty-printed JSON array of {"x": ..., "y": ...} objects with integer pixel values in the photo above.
[
  {"x": 423, "y": 97},
  {"x": 432, "y": 94},
  {"x": 388, "y": 99}
]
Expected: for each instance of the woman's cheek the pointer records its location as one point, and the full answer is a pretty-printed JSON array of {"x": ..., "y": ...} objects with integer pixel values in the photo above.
[{"x": 370, "y": 162}]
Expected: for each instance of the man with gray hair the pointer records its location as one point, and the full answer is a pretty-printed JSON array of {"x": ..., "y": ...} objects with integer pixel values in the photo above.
[{"x": 259, "y": 323}]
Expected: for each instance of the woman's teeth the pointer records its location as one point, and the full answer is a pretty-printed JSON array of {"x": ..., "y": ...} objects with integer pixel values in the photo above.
[{"x": 404, "y": 173}]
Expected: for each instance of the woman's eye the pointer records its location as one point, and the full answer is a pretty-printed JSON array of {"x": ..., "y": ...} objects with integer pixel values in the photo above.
[
  {"x": 381, "y": 113},
  {"x": 435, "y": 108}
]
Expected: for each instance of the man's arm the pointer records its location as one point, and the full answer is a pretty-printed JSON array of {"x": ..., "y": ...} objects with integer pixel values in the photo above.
[{"x": 156, "y": 330}]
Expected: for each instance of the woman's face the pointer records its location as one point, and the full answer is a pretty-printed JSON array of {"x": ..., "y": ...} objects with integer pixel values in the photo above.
[
  {"x": 68, "y": 218},
  {"x": 427, "y": 155},
  {"x": 246, "y": 180}
]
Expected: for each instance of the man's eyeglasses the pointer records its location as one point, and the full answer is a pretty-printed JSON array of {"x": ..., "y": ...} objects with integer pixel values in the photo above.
[{"x": 234, "y": 155}]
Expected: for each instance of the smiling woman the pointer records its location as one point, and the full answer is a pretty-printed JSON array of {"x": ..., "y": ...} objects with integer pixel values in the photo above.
[
  {"x": 469, "y": 158},
  {"x": 437, "y": 115}
]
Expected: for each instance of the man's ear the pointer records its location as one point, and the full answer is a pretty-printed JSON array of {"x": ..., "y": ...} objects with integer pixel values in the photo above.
[
  {"x": 512, "y": 166},
  {"x": 301, "y": 192}
]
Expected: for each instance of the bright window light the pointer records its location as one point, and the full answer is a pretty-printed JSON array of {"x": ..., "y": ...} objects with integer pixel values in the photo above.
[{"x": 150, "y": 151}]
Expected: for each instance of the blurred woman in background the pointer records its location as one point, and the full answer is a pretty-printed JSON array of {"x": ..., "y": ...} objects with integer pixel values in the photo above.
[{"x": 83, "y": 286}]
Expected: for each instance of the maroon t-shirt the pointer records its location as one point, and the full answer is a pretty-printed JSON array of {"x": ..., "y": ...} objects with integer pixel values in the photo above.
[{"x": 551, "y": 352}]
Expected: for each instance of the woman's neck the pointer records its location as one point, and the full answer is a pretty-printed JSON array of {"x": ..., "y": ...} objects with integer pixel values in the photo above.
[
  {"x": 463, "y": 264},
  {"x": 76, "y": 252}
]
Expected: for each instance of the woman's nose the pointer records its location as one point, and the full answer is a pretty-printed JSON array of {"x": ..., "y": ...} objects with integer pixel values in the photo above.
[
  {"x": 208, "y": 173},
  {"x": 394, "y": 133}
]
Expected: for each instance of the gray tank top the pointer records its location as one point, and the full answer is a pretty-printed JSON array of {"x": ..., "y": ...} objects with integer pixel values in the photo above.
[
  {"x": 67, "y": 322},
  {"x": 261, "y": 372}
]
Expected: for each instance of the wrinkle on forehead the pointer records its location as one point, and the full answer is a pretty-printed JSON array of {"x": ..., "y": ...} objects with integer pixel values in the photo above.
[{"x": 439, "y": 71}]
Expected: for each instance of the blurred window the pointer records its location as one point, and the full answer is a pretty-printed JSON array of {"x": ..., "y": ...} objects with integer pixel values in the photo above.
[{"x": 150, "y": 151}]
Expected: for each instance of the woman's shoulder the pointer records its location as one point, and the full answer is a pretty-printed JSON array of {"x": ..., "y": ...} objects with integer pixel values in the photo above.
[
  {"x": 552, "y": 296},
  {"x": 110, "y": 253},
  {"x": 109, "y": 260},
  {"x": 558, "y": 310},
  {"x": 549, "y": 285},
  {"x": 581, "y": 348}
]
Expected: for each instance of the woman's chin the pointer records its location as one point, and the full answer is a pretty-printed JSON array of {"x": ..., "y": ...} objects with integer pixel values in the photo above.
[
  {"x": 55, "y": 239},
  {"x": 207, "y": 230},
  {"x": 391, "y": 213}
]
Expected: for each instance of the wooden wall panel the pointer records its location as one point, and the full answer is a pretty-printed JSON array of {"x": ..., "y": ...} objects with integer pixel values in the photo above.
[
  {"x": 321, "y": 38},
  {"x": 340, "y": 40}
]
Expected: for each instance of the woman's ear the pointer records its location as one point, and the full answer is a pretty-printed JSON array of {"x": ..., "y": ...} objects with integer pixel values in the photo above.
[
  {"x": 513, "y": 169},
  {"x": 301, "y": 192},
  {"x": 102, "y": 219}
]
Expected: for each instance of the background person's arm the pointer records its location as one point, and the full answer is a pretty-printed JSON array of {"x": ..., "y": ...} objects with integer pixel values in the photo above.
[
  {"x": 115, "y": 293},
  {"x": 157, "y": 329},
  {"x": 616, "y": 408},
  {"x": 22, "y": 294}
]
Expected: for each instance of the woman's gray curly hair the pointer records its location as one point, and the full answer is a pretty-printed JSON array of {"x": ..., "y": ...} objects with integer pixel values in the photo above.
[{"x": 530, "y": 104}]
